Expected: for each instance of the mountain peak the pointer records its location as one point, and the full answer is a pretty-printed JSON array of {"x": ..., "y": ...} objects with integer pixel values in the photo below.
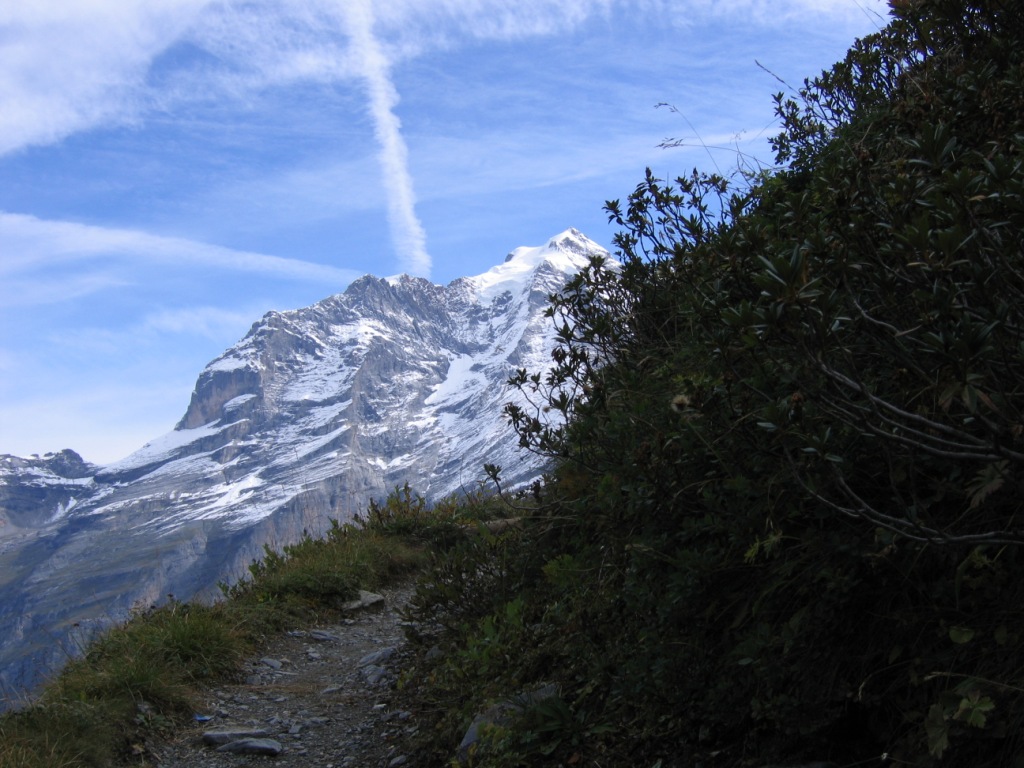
[
  {"x": 315, "y": 412},
  {"x": 567, "y": 252},
  {"x": 570, "y": 241}
]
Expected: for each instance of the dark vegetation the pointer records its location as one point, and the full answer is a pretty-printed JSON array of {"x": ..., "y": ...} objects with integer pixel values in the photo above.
[{"x": 781, "y": 522}]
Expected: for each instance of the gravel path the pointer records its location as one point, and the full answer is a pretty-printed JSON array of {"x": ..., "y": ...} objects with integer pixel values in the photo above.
[{"x": 324, "y": 695}]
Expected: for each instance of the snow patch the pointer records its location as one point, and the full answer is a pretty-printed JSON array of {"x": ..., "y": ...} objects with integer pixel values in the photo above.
[
  {"x": 567, "y": 252},
  {"x": 237, "y": 401},
  {"x": 62, "y": 510},
  {"x": 463, "y": 379},
  {"x": 231, "y": 361},
  {"x": 162, "y": 447}
]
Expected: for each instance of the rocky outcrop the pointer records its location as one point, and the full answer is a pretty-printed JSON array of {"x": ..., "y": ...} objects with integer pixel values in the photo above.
[{"x": 47, "y": 488}]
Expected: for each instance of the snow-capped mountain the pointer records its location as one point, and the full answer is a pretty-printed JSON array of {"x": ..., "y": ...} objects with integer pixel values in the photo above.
[{"x": 307, "y": 418}]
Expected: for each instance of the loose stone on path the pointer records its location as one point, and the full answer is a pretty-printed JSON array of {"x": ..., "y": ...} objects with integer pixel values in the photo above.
[
  {"x": 226, "y": 736},
  {"x": 312, "y": 698},
  {"x": 253, "y": 747}
]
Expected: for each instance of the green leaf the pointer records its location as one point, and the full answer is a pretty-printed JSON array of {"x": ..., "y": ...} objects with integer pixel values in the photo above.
[
  {"x": 973, "y": 709},
  {"x": 937, "y": 731},
  {"x": 989, "y": 480},
  {"x": 961, "y": 635}
]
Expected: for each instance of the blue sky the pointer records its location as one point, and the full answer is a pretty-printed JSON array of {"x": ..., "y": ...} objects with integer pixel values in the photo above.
[{"x": 172, "y": 169}]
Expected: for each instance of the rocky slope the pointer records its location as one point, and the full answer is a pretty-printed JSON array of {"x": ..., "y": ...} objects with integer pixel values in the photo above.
[{"x": 307, "y": 418}]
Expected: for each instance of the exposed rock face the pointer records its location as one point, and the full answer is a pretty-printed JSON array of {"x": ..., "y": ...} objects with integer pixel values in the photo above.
[
  {"x": 47, "y": 488},
  {"x": 307, "y": 418}
]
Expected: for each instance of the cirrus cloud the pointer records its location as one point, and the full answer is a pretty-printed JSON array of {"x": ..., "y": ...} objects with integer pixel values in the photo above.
[{"x": 35, "y": 245}]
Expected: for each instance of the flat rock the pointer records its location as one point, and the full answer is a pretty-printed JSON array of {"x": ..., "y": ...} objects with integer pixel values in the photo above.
[
  {"x": 253, "y": 747},
  {"x": 228, "y": 735},
  {"x": 324, "y": 637},
  {"x": 374, "y": 675},
  {"x": 376, "y": 657},
  {"x": 365, "y": 600}
]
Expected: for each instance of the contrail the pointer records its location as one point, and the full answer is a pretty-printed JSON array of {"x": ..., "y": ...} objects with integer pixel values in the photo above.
[{"x": 407, "y": 233}]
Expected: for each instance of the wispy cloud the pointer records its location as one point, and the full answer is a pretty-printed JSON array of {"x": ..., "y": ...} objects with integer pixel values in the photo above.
[
  {"x": 420, "y": 24},
  {"x": 128, "y": 61},
  {"x": 29, "y": 292},
  {"x": 407, "y": 232},
  {"x": 70, "y": 66},
  {"x": 212, "y": 322},
  {"x": 149, "y": 334},
  {"x": 32, "y": 245}
]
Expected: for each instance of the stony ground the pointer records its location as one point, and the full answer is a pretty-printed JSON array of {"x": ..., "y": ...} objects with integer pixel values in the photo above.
[{"x": 323, "y": 694}]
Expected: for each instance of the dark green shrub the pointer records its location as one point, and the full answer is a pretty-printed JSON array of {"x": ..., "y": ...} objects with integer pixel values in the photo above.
[{"x": 795, "y": 428}]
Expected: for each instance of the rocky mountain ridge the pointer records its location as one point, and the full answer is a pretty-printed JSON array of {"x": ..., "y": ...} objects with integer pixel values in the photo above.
[{"x": 307, "y": 418}]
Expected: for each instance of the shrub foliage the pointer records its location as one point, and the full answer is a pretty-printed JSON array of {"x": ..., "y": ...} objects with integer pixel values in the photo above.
[{"x": 783, "y": 517}]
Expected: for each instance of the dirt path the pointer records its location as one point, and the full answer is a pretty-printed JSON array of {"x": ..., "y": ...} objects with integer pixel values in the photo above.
[{"x": 324, "y": 695}]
